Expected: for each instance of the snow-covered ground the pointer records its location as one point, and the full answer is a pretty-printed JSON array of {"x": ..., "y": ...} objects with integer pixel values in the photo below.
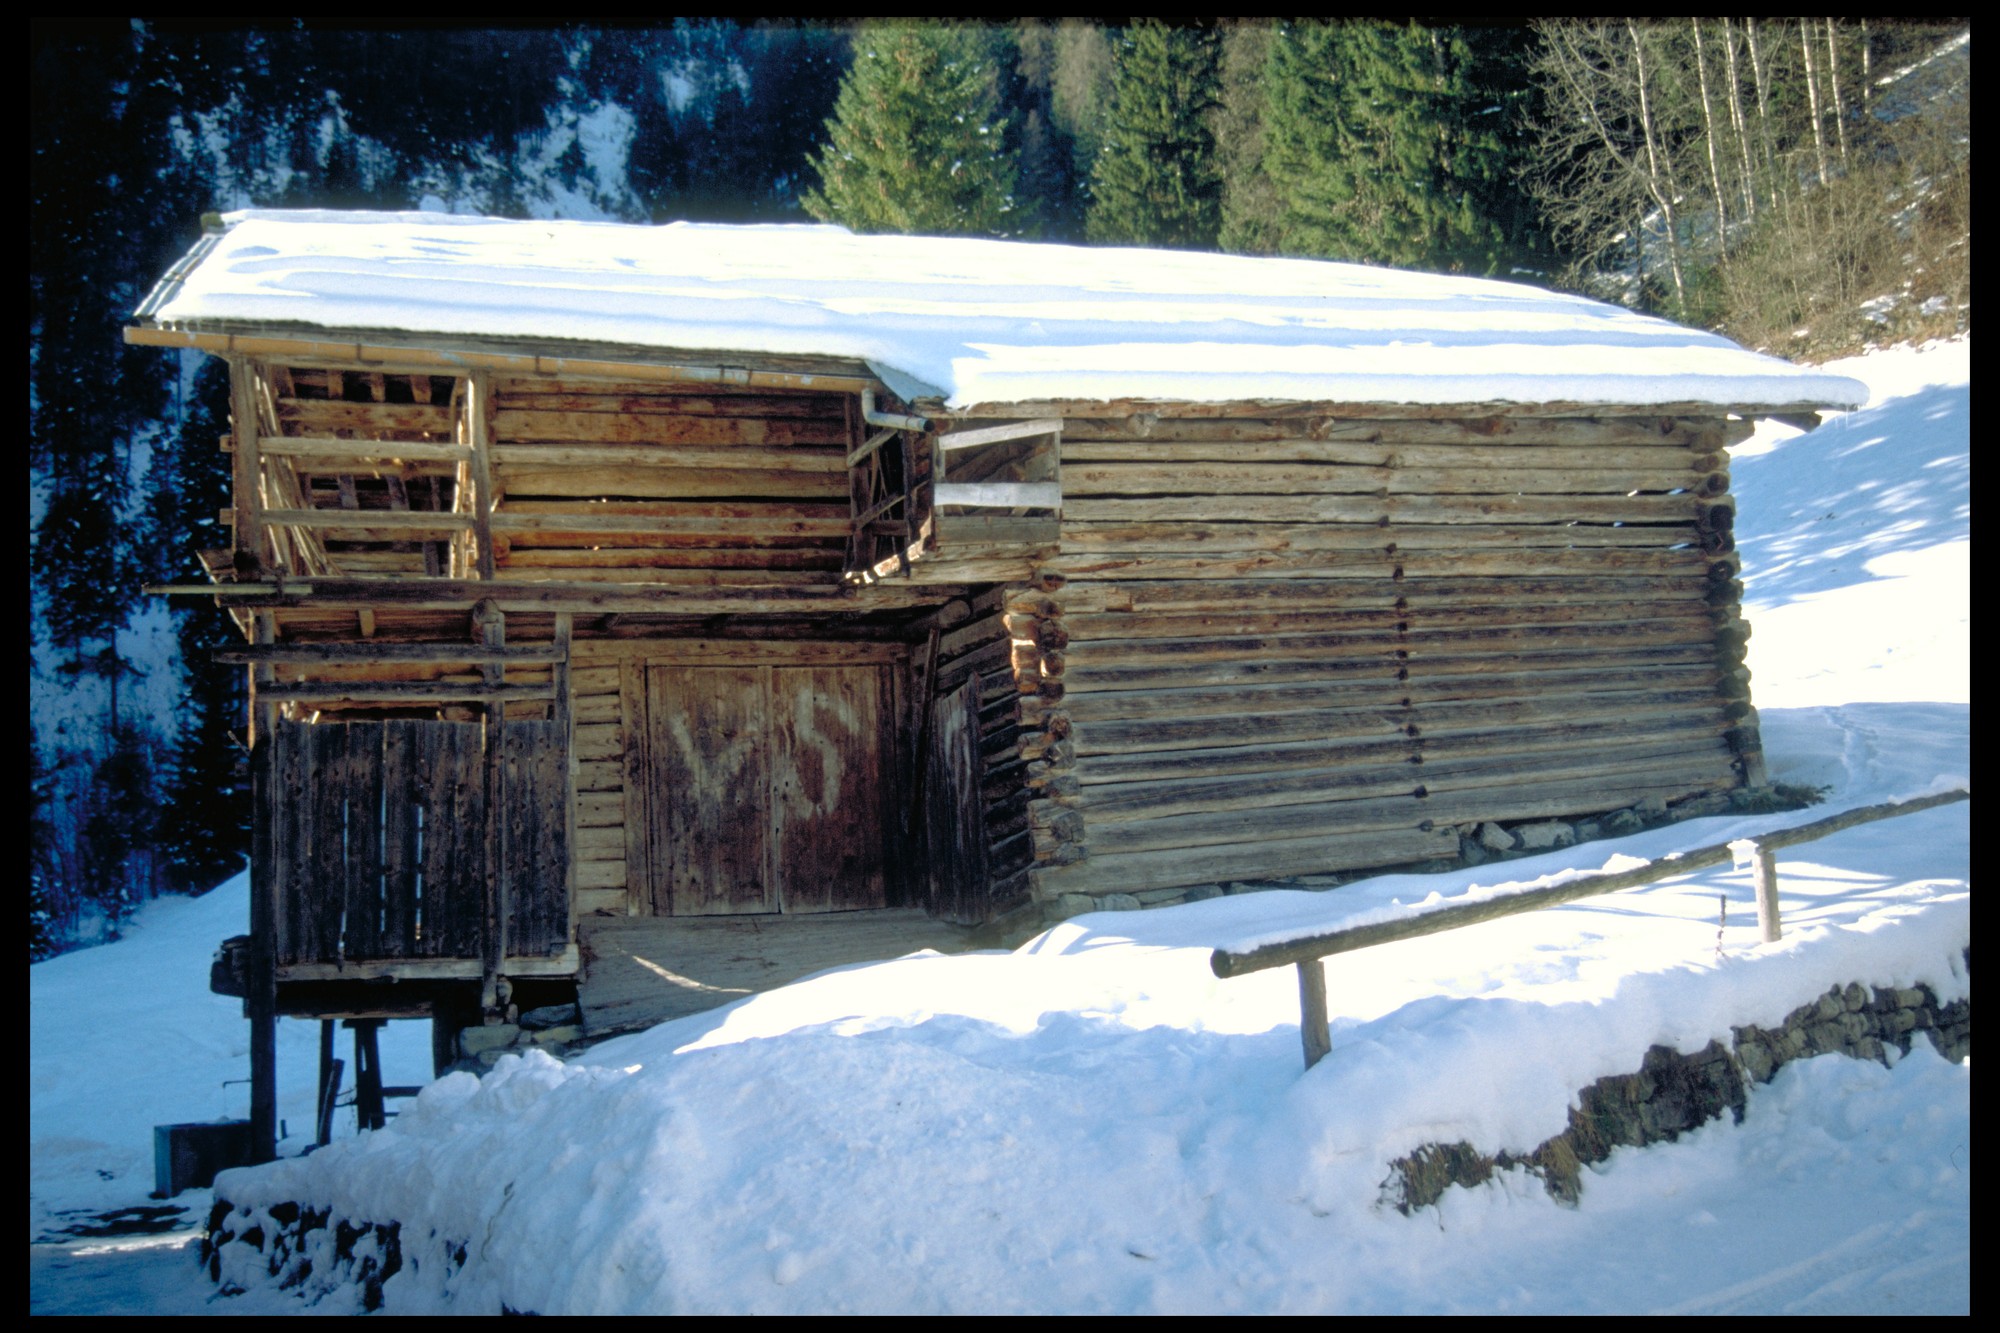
[{"x": 1096, "y": 1123}]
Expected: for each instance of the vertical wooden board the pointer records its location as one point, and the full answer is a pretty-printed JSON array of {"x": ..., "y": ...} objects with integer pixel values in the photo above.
[
  {"x": 453, "y": 798},
  {"x": 954, "y": 814},
  {"x": 291, "y": 835},
  {"x": 326, "y": 891},
  {"x": 642, "y": 895},
  {"x": 362, "y": 926},
  {"x": 538, "y": 853},
  {"x": 829, "y": 774},
  {"x": 708, "y": 790},
  {"x": 399, "y": 839}
]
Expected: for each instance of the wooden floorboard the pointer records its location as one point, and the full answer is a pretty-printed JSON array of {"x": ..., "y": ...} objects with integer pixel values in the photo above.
[{"x": 639, "y": 971}]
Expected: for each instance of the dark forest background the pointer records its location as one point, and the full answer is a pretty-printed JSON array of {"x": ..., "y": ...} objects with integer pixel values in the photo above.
[{"x": 1802, "y": 185}]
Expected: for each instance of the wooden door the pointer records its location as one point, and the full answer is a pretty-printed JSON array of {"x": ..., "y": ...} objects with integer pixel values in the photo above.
[
  {"x": 768, "y": 788},
  {"x": 711, "y": 790}
]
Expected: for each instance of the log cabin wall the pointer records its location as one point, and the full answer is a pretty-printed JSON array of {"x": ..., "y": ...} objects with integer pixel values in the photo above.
[
  {"x": 695, "y": 509},
  {"x": 1290, "y": 644}
]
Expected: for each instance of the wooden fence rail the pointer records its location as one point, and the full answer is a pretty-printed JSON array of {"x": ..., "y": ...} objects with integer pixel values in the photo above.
[{"x": 1309, "y": 952}]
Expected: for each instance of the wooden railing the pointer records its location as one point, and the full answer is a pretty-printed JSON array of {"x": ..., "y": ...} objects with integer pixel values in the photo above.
[{"x": 1308, "y": 952}]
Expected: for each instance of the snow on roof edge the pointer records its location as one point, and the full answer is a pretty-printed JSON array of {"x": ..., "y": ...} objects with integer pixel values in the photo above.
[{"x": 980, "y": 321}]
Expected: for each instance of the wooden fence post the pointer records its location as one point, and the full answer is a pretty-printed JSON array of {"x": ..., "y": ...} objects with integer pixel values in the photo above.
[
  {"x": 1313, "y": 1030},
  {"x": 1767, "y": 892}
]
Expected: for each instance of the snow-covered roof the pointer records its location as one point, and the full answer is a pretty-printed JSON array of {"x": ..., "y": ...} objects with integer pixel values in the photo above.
[{"x": 977, "y": 321}]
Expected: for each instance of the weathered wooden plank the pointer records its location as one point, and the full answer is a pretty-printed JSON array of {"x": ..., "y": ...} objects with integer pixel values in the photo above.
[
  {"x": 806, "y": 460},
  {"x": 291, "y": 813},
  {"x": 673, "y": 483},
  {"x": 406, "y": 421},
  {"x": 362, "y": 928},
  {"x": 829, "y": 778},
  {"x": 520, "y": 558},
  {"x": 1134, "y": 480},
  {"x": 400, "y": 864},
  {"x": 594, "y": 395},
  {"x": 1157, "y": 734},
  {"x": 958, "y": 871},
  {"x": 516, "y": 425},
  {"x": 600, "y": 842},
  {"x": 1510, "y": 739},
  {"x": 1138, "y": 871},
  {"x": 537, "y": 846},
  {"x": 599, "y": 740},
  {"x": 1197, "y": 536},
  {"x": 310, "y": 449},
  {"x": 328, "y": 765},
  {"x": 451, "y": 653},
  {"x": 1531, "y": 797},
  {"x": 700, "y": 651},
  {"x": 1384, "y": 454},
  {"x": 707, "y": 730},
  {"x": 1383, "y": 688},
  {"x": 1181, "y": 596},
  {"x": 689, "y": 520},
  {"x": 602, "y": 875},
  {"x": 1283, "y": 664},
  {"x": 1087, "y": 632},
  {"x": 453, "y": 798}
]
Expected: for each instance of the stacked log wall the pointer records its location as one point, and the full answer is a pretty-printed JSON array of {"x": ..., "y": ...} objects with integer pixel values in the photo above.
[
  {"x": 981, "y": 648},
  {"x": 1301, "y": 645}
]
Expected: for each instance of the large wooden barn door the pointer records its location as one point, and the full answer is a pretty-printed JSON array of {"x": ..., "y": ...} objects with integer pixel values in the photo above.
[{"x": 767, "y": 788}]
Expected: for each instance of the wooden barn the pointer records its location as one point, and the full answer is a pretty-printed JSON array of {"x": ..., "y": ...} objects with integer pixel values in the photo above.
[{"x": 592, "y": 571}]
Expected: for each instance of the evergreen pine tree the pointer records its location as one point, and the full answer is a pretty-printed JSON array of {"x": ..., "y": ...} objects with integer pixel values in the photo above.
[
  {"x": 917, "y": 142},
  {"x": 204, "y": 826},
  {"x": 1397, "y": 145},
  {"x": 1157, "y": 181}
]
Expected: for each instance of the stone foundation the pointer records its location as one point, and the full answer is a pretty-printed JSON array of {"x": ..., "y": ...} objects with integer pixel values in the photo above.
[{"x": 1672, "y": 1093}]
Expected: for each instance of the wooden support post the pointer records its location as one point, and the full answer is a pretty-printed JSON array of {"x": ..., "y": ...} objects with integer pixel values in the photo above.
[
  {"x": 260, "y": 1004},
  {"x": 368, "y": 1109},
  {"x": 492, "y": 628},
  {"x": 479, "y": 434},
  {"x": 1767, "y": 892},
  {"x": 1314, "y": 1033},
  {"x": 329, "y": 1084},
  {"x": 563, "y": 714},
  {"x": 246, "y": 467}
]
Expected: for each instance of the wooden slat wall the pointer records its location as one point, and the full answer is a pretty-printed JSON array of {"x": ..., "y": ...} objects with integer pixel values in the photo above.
[
  {"x": 979, "y": 654},
  {"x": 1297, "y": 646},
  {"x": 738, "y": 487}
]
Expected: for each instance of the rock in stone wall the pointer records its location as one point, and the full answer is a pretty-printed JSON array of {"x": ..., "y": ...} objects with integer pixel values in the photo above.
[{"x": 1672, "y": 1093}]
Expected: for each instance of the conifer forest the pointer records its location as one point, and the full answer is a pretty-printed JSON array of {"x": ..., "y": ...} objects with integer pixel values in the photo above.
[{"x": 1801, "y": 185}]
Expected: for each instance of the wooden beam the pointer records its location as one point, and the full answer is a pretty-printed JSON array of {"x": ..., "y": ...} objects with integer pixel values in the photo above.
[
  {"x": 438, "y": 653},
  {"x": 479, "y": 435},
  {"x": 1019, "y": 430},
  {"x": 1000, "y": 494},
  {"x": 386, "y": 520},
  {"x": 405, "y": 692},
  {"x": 315, "y": 446},
  {"x": 261, "y": 1004},
  {"x": 246, "y": 467}
]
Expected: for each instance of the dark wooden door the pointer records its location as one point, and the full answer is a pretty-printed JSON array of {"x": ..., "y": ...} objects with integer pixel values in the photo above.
[
  {"x": 768, "y": 789},
  {"x": 711, "y": 790}
]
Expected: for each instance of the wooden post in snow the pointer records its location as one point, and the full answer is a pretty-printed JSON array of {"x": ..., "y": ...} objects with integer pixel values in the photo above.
[
  {"x": 1767, "y": 892},
  {"x": 1313, "y": 1030},
  {"x": 260, "y": 1005}
]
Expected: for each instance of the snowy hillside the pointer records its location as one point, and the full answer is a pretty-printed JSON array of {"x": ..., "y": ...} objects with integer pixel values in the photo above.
[{"x": 1096, "y": 1123}]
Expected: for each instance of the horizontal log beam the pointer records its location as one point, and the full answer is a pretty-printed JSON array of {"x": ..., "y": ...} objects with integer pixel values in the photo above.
[
  {"x": 427, "y": 653},
  {"x": 405, "y": 692}
]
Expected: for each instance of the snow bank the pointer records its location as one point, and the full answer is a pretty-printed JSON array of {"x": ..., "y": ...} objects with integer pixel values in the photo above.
[
  {"x": 1096, "y": 1123},
  {"x": 980, "y": 321}
]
